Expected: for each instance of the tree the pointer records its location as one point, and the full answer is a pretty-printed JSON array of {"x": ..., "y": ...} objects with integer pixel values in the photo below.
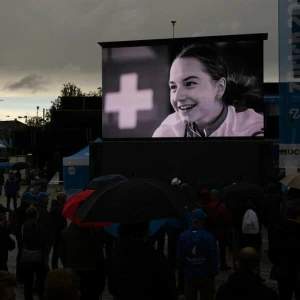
[
  {"x": 71, "y": 90},
  {"x": 97, "y": 93},
  {"x": 39, "y": 121}
]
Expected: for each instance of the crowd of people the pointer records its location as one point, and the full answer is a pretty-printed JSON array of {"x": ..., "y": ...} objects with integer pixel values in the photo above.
[{"x": 135, "y": 266}]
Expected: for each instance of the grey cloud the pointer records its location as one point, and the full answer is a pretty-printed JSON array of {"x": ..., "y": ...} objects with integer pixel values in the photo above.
[
  {"x": 44, "y": 36},
  {"x": 32, "y": 82}
]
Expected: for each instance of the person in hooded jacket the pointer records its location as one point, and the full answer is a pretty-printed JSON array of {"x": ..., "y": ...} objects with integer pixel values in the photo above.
[
  {"x": 58, "y": 224},
  {"x": 284, "y": 254},
  {"x": 271, "y": 208},
  {"x": 198, "y": 252},
  {"x": 245, "y": 283}
]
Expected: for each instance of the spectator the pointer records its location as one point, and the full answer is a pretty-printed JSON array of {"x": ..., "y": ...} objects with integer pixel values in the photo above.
[
  {"x": 8, "y": 284},
  {"x": 139, "y": 271},
  {"x": 218, "y": 225},
  {"x": 11, "y": 189},
  {"x": 6, "y": 242},
  {"x": 2, "y": 180},
  {"x": 272, "y": 208},
  {"x": 34, "y": 241},
  {"x": 203, "y": 199},
  {"x": 62, "y": 284},
  {"x": 245, "y": 282},
  {"x": 240, "y": 239},
  {"x": 198, "y": 252},
  {"x": 284, "y": 254},
  {"x": 174, "y": 227},
  {"x": 20, "y": 218},
  {"x": 42, "y": 201},
  {"x": 58, "y": 224},
  {"x": 81, "y": 249},
  {"x": 293, "y": 199}
]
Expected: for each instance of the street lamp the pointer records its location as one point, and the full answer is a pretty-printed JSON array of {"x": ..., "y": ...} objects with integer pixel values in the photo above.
[{"x": 173, "y": 24}]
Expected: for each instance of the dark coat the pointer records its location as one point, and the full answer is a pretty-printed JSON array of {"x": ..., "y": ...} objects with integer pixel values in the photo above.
[
  {"x": 141, "y": 272},
  {"x": 81, "y": 249},
  {"x": 45, "y": 220},
  {"x": 20, "y": 218},
  {"x": 272, "y": 206},
  {"x": 58, "y": 222},
  {"x": 284, "y": 249},
  {"x": 11, "y": 187},
  {"x": 245, "y": 285},
  {"x": 33, "y": 235},
  {"x": 2, "y": 179},
  {"x": 6, "y": 244}
]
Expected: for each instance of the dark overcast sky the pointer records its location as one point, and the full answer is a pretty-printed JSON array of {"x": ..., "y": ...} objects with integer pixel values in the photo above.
[{"x": 45, "y": 43}]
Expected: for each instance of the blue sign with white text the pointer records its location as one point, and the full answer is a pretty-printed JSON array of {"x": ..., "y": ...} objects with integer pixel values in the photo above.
[
  {"x": 289, "y": 85},
  {"x": 289, "y": 71}
]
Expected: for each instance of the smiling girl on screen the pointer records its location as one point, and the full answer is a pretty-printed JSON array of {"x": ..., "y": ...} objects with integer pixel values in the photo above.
[{"x": 206, "y": 101}]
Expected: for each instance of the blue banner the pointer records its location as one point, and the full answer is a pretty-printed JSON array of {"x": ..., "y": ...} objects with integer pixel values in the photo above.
[{"x": 289, "y": 82}]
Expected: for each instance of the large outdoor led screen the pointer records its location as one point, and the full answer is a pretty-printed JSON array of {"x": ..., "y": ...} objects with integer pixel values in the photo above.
[{"x": 179, "y": 88}]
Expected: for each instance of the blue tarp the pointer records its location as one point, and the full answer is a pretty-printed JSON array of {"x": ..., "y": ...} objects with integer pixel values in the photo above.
[
  {"x": 4, "y": 143},
  {"x": 5, "y": 165},
  {"x": 76, "y": 169}
]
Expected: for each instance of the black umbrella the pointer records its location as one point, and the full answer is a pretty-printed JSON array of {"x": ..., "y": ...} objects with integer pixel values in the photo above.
[
  {"x": 235, "y": 194},
  {"x": 20, "y": 166},
  {"x": 100, "y": 182},
  {"x": 133, "y": 201}
]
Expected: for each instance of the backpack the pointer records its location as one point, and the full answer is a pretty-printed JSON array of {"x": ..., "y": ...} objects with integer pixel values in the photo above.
[{"x": 250, "y": 224}]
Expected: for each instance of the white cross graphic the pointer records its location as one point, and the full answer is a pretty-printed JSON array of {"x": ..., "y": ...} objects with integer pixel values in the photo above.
[{"x": 128, "y": 101}]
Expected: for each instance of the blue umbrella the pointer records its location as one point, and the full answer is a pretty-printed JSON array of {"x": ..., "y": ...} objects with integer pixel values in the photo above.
[{"x": 154, "y": 225}]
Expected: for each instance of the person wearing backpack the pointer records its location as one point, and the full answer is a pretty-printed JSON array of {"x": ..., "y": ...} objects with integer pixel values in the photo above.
[
  {"x": 218, "y": 220},
  {"x": 247, "y": 224},
  {"x": 284, "y": 252}
]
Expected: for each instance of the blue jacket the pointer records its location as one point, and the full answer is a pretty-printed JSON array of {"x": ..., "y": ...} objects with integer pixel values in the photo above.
[{"x": 198, "y": 252}]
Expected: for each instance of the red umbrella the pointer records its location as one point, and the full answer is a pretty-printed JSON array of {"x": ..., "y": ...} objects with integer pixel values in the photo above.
[{"x": 71, "y": 206}]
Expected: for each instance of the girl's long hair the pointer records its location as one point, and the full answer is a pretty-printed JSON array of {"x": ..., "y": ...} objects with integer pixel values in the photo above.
[{"x": 242, "y": 89}]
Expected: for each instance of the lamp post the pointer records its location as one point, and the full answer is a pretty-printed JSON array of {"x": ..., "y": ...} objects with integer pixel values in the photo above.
[
  {"x": 173, "y": 24},
  {"x": 37, "y": 115}
]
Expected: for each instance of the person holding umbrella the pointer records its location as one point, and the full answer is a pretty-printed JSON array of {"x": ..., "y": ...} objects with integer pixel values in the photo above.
[
  {"x": 81, "y": 250},
  {"x": 139, "y": 271}
]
